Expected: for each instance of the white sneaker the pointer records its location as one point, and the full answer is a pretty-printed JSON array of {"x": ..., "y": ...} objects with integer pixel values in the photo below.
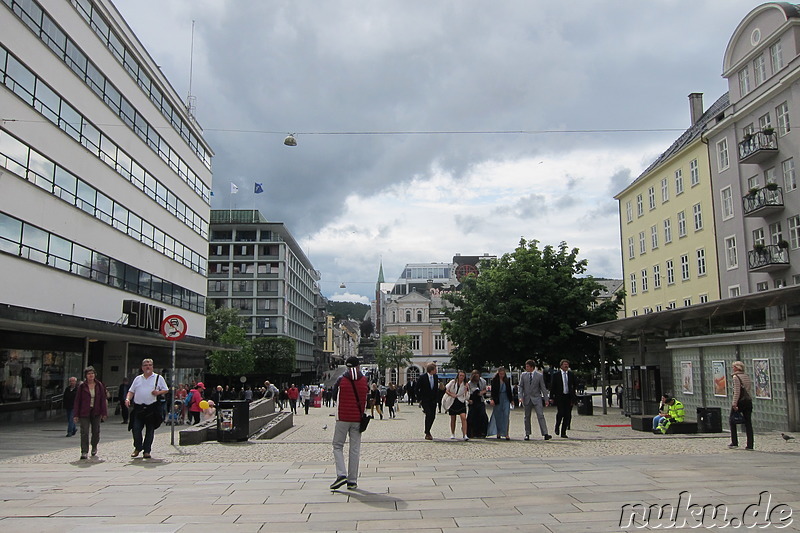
[
  {"x": 466, "y": 438},
  {"x": 452, "y": 436}
]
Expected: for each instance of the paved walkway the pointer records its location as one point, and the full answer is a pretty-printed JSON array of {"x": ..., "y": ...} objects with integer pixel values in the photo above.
[{"x": 406, "y": 483}]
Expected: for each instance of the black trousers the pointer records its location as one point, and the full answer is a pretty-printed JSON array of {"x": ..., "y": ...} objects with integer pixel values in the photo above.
[
  {"x": 563, "y": 414},
  {"x": 746, "y": 408},
  {"x": 429, "y": 408}
]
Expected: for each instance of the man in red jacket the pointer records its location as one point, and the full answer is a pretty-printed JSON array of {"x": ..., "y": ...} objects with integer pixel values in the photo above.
[{"x": 351, "y": 389}]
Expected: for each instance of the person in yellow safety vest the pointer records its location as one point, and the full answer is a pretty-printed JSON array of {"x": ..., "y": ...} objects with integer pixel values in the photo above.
[{"x": 675, "y": 413}]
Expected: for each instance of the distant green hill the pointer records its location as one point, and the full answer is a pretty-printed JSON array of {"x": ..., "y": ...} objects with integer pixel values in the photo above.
[{"x": 342, "y": 310}]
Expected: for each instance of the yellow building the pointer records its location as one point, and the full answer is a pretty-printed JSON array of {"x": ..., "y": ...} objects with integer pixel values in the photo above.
[{"x": 669, "y": 252}]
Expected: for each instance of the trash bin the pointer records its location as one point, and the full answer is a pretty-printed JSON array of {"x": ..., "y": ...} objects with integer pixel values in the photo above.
[
  {"x": 709, "y": 420},
  {"x": 233, "y": 420},
  {"x": 585, "y": 406}
]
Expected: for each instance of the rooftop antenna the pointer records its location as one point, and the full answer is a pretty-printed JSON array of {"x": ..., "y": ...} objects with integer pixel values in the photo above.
[{"x": 191, "y": 101}]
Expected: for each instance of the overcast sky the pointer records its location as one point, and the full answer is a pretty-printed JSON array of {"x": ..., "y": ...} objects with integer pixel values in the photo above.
[{"x": 347, "y": 76}]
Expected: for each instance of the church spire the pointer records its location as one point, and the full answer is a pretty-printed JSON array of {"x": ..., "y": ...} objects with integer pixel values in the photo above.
[{"x": 380, "y": 277}]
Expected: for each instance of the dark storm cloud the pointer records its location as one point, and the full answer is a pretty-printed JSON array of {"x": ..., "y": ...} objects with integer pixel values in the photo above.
[
  {"x": 342, "y": 67},
  {"x": 619, "y": 181}
]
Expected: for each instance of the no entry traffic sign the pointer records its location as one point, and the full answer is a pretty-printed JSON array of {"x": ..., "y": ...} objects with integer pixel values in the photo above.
[{"x": 173, "y": 328}]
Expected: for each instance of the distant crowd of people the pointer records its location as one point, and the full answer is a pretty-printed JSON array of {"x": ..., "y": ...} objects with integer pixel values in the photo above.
[{"x": 143, "y": 406}]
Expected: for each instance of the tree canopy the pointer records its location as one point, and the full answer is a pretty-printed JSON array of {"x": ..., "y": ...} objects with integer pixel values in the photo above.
[
  {"x": 342, "y": 310},
  {"x": 230, "y": 364},
  {"x": 218, "y": 319},
  {"x": 273, "y": 356},
  {"x": 394, "y": 352},
  {"x": 527, "y": 305}
]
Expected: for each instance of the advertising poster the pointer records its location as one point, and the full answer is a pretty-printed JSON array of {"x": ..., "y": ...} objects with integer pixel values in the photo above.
[
  {"x": 720, "y": 378},
  {"x": 762, "y": 379},
  {"x": 687, "y": 382}
]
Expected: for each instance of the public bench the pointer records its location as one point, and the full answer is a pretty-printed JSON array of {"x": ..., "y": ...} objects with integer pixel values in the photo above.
[{"x": 645, "y": 423}]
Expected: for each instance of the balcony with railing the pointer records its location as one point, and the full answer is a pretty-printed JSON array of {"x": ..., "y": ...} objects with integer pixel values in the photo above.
[
  {"x": 763, "y": 201},
  {"x": 758, "y": 146},
  {"x": 767, "y": 258}
]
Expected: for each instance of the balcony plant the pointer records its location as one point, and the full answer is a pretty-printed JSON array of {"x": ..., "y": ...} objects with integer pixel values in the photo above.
[
  {"x": 768, "y": 130},
  {"x": 748, "y": 137},
  {"x": 771, "y": 186},
  {"x": 759, "y": 248},
  {"x": 753, "y": 191},
  {"x": 783, "y": 245}
]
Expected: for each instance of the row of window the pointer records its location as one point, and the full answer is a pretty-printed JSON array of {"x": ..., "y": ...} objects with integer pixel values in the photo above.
[
  {"x": 243, "y": 268},
  {"x": 408, "y": 316},
  {"x": 66, "y": 50},
  {"x": 761, "y": 286},
  {"x": 694, "y": 173},
  {"x": 697, "y": 214},
  {"x": 700, "y": 258},
  {"x": 247, "y": 304},
  {"x": 262, "y": 286},
  {"x": 31, "y": 89},
  {"x": 127, "y": 59},
  {"x": 262, "y": 323},
  {"x": 224, "y": 250},
  {"x": 29, "y": 242},
  {"x": 34, "y": 167},
  {"x": 759, "y": 66},
  {"x": 439, "y": 342},
  {"x": 671, "y": 305},
  {"x": 775, "y": 231},
  {"x": 243, "y": 235},
  {"x": 426, "y": 273}
]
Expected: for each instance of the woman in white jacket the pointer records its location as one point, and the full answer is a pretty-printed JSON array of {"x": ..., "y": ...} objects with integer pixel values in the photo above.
[{"x": 456, "y": 397}]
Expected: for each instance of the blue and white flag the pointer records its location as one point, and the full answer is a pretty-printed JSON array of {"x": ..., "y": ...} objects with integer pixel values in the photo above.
[
  {"x": 234, "y": 188},
  {"x": 258, "y": 189}
]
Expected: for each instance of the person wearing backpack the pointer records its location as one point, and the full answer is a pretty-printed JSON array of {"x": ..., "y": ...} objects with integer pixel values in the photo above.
[{"x": 193, "y": 400}]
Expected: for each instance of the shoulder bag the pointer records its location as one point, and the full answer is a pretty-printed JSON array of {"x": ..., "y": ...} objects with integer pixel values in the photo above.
[{"x": 365, "y": 418}]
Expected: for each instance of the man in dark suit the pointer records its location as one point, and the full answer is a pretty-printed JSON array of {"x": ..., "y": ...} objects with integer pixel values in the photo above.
[
  {"x": 427, "y": 386},
  {"x": 562, "y": 389}
]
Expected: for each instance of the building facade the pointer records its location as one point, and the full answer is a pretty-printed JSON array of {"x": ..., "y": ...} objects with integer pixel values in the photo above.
[
  {"x": 258, "y": 268},
  {"x": 754, "y": 151},
  {"x": 669, "y": 249},
  {"x": 104, "y": 211}
]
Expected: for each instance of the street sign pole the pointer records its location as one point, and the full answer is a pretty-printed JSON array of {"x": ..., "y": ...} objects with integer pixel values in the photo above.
[
  {"x": 173, "y": 328},
  {"x": 170, "y": 407}
]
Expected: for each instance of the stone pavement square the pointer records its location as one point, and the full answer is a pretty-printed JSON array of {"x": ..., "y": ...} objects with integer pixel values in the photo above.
[{"x": 406, "y": 483}]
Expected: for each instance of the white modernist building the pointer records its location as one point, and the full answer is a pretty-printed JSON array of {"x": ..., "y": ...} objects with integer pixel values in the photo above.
[{"x": 104, "y": 206}]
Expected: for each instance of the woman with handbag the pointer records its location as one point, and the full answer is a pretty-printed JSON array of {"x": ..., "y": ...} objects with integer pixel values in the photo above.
[
  {"x": 456, "y": 396},
  {"x": 91, "y": 408},
  {"x": 742, "y": 406}
]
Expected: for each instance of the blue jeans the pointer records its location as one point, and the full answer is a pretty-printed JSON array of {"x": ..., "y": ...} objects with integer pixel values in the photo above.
[
  {"x": 71, "y": 429},
  {"x": 142, "y": 423},
  {"x": 656, "y": 421}
]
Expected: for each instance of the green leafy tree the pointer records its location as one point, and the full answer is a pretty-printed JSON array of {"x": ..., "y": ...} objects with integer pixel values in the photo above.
[
  {"x": 236, "y": 363},
  {"x": 218, "y": 319},
  {"x": 527, "y": 304},
  {"x": 394, "y": 352},
  {"x": 274, "y": 355},
  {"x": 343, "y": 310}
]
